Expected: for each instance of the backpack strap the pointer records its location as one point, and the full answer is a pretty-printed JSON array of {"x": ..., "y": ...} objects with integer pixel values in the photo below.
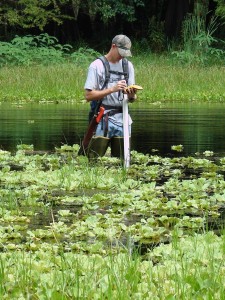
[
  {"x": 94, "y": 104},
  {"x": 125, "y": 69},
  {"x": 107, "y": 70}
]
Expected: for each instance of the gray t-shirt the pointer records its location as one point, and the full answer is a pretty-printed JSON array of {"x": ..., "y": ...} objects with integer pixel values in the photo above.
[{"x": 96, "y": 78}]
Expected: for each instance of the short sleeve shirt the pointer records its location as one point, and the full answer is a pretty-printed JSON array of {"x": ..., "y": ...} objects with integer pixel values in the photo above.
[{"x": 96, "y": 78}]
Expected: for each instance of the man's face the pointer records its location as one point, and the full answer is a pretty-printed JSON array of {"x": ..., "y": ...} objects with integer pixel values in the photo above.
[{"x": 117, "y": 54}]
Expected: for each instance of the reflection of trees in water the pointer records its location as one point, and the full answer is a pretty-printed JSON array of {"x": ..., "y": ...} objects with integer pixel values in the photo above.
[
  {"x": 197, "y": 129},
  {"x": 46, "y": 127}
]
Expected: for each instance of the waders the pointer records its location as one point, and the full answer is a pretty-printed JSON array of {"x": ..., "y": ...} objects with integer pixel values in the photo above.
[{"x": 97, "y": 147}]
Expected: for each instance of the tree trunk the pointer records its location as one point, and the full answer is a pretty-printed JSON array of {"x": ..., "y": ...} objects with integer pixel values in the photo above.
[
  {"x": 76, "y": 7},
  {"x": 175, "y": 12}
]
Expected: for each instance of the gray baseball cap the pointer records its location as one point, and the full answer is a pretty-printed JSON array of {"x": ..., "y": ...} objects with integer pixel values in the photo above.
[{"x": 123, "y": 43}]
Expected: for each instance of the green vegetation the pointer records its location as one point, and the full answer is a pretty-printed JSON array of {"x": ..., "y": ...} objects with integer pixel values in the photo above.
[
  {"x": 61, "y": 82},
  {"x": 71, "y": 229},
  {"x": 38, "y": 68},
  {"x": 164, "y": 80},
  {"x": 189, "y": 268},
  {"x": 96, "y": 231},
  {"x": 157, "y": 21},
  {"x": 37, "y": 14},
  {"x": 80, "y": 230},
  {"x": 161, "y": 80}
]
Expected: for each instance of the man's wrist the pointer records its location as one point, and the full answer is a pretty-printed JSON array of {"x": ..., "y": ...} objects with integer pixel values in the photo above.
[{"x": 132, "y": 98}]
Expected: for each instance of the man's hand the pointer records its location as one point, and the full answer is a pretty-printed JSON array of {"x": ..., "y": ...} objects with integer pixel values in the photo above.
[
  {"x": 131, "y": 91},
  {"x": 134, "y": 86},
  {"x": 120, "y": 86}
]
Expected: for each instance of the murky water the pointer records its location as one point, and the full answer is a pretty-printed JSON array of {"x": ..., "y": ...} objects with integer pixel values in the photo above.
[{"x": 198, "y": 127}]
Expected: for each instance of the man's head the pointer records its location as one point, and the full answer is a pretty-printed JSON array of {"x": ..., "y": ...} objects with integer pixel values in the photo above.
[{"x": 123, "y": 44}]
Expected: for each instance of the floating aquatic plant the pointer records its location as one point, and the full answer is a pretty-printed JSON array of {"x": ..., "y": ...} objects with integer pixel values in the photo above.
[{"x": 72, "y": 215}]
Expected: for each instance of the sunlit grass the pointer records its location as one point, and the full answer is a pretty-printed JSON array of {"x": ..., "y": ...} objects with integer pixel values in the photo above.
[
  {"x": 165, "y": 81},
  {"x": 162, "y": 80},
  {"x": 190, "y": 268},
  {"x": 40, "y": 83}
]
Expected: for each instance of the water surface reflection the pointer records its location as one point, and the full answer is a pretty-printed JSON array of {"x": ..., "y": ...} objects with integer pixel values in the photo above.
[{"x": 198, "y": 127}]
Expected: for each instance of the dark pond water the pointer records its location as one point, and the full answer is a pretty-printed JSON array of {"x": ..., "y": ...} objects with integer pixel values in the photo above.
[{"x": 197, "y": 127}]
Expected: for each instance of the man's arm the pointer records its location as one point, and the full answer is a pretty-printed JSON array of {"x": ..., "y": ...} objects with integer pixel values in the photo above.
[{"x": 91, "y": 95}]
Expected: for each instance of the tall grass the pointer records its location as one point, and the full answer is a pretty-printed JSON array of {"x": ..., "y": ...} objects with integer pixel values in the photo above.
[
  {"x": 190, "y": 268},
  {"x": 199, "y": 46},
  {"x": 42, "y": 83},
  {"x": 161, "y": 81},
  {"x": 40, "y": 69},
  {"x": 166, "y": 81}
]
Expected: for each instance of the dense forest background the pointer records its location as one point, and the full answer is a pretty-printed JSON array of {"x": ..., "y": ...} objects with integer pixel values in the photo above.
[{"x": 157, "y": 23}]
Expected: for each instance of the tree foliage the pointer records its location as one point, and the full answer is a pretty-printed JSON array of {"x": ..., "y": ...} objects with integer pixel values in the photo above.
[
  {"x": 35, "y": 13},
  {"x": 156, "y": 21},
  {"x": 32, "y": 13},
  {"x": 108, "y": 9},
  {"x": 220, "y": 10}
]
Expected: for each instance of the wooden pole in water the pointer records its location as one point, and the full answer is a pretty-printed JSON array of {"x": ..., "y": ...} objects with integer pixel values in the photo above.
[{"x": 126, "y": 135}]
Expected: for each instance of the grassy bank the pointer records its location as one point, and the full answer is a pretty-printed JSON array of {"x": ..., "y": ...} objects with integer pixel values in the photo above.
[
  {"x": 161, "y": 78},
  {"x": 164, "y": 80}
]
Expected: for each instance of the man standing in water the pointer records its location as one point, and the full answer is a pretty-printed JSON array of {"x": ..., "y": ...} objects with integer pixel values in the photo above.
[{"x": 110, "y": 128}]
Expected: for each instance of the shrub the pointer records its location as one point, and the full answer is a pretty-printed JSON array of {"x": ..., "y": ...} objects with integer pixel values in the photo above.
[
  {"x": 199, "y": 42},
  {"x": 29, "y": 49}
]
